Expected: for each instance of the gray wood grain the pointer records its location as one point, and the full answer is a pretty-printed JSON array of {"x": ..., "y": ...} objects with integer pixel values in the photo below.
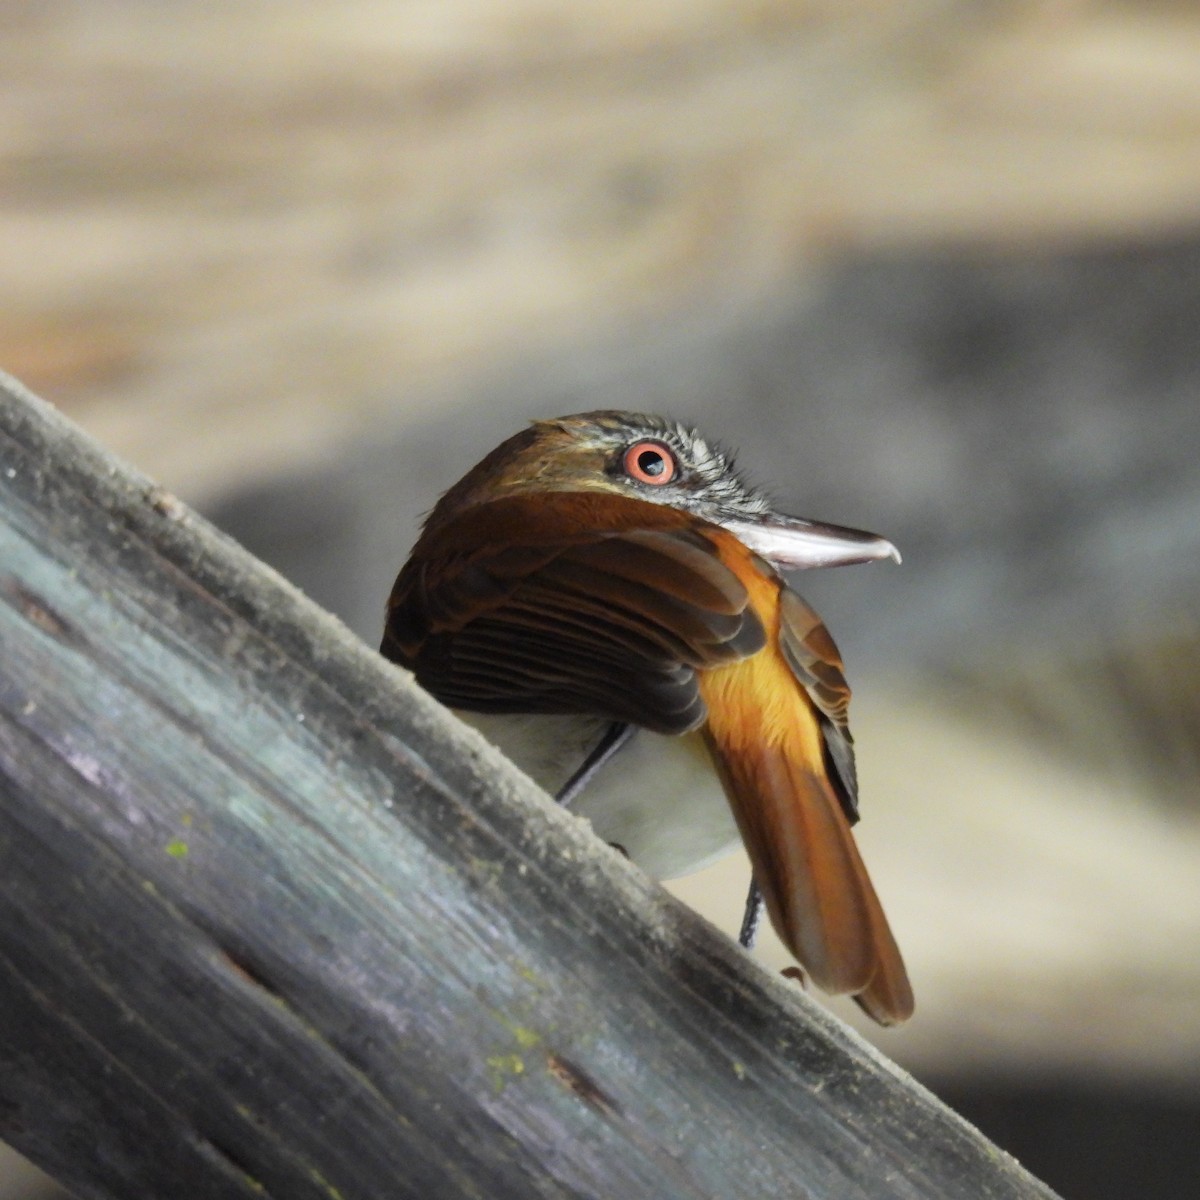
[{"x": 272, "y": 925}]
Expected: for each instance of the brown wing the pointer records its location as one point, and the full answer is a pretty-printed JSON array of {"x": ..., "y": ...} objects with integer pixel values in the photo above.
[
  {"x": 817, "y": 663},
  {"x": 570, "y": 602}
]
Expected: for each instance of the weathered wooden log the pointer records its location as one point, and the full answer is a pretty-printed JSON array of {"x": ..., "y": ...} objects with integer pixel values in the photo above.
[{"x": 273, "y": 924}]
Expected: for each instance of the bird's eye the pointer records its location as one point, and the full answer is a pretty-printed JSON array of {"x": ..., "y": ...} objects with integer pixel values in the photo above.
[{"x": 650, "y": 462}]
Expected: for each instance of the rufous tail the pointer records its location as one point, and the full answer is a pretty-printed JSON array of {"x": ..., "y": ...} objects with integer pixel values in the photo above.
[{"x": 766, "y": 742}]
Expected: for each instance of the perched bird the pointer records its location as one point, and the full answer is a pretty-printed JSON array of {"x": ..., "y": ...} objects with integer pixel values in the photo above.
[{"x": 610, "y": 572}]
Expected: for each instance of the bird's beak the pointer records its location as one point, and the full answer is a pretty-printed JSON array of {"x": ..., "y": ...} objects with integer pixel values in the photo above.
[{"x": 793, "y": 543}]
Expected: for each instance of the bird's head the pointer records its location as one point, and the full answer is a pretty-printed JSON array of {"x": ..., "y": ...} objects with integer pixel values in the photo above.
[{"x": 652, "y": 459}]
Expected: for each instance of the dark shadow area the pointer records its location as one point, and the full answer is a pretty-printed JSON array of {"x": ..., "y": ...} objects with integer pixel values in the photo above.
[
  {"x": 1088, "y": 1141},
  {"x": 1024, "y": 427}
]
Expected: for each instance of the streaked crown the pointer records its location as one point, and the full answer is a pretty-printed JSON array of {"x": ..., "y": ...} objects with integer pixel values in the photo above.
[{"x": 630, "y": 454}]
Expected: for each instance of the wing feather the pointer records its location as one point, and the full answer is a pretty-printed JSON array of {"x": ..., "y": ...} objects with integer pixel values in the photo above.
[
  {"x": 816, "y": 662},
  {"x": 566, "y": 602}
]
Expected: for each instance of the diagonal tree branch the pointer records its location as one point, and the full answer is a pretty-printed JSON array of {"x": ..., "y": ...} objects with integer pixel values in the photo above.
[{"x": 273, "y": 924}]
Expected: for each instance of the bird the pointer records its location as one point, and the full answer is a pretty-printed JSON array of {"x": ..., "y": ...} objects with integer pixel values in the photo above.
[{"x": 602, "y": 596}]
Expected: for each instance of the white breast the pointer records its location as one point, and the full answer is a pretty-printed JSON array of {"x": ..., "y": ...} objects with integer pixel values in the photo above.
[{"x": 658, "y": 797}]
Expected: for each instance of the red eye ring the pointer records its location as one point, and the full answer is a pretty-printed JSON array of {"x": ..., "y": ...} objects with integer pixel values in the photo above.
[{"x": 651, "y": 463}]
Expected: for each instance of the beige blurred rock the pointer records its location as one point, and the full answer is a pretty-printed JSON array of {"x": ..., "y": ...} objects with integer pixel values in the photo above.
[
  {"x": 20, "y": 1180},
  {"x": 236, "y": 234}
]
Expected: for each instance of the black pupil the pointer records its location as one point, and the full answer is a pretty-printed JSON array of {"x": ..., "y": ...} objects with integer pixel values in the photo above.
[{"x": 651, "y": 462}]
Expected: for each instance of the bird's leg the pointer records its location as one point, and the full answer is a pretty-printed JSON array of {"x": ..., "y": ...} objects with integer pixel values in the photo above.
[
  {"x": 752, "y": 916},
  {"x": 613, "y": 738}
]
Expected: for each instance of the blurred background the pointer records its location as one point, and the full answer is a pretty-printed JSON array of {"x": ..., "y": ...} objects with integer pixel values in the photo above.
[{"x": 934, "y": 266}]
